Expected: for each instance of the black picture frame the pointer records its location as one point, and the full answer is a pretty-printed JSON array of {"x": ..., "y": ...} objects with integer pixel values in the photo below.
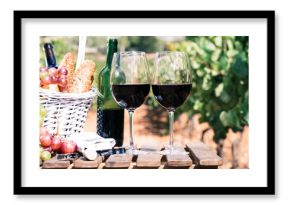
[{"x": 269, "y": 16}]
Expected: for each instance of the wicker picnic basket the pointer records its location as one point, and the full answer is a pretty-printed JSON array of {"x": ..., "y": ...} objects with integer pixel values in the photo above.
[{"x": 66, "y": 112}]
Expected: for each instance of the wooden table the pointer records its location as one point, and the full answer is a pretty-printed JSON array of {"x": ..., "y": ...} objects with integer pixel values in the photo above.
[{"x": 200, "y": 157}]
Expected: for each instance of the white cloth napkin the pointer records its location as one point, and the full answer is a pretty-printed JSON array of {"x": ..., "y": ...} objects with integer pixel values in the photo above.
[{"x": 89, "y": 143}]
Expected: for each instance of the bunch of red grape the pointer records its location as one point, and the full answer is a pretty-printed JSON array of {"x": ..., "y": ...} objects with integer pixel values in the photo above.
[
  {"x": 51, "y": 144},
  {"x": 50, "y": 76}
]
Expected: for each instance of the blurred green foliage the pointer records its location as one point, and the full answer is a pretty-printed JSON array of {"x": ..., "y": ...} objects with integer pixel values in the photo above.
[
  {"x": 147, "y": 44},
  {"x": 220, "y": 76},
  {"x": 61, "y": 46}
]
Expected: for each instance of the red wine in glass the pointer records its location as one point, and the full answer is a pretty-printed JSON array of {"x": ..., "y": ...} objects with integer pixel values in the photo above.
[
  {"x": 171, "y": 96},
  {"x": 130, "y": 96}
]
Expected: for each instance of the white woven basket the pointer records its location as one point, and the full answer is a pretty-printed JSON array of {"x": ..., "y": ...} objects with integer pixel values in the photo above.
[{"x": 66, "y": 112}]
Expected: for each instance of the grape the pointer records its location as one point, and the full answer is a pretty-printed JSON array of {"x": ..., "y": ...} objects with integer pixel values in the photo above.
[
  {"x": 62, "y": 76},
  {"x": 45, "y": 155},
  {"x": 54, "y": 79},
  {"x": 62, "y": 82},
  {"x": 45, "y": 140},
  {"x": 41, "y": 150},
  {"x": 62, "y": 71},
  {"x": 46, "y": 80},
  {"x": 53, "y": 72},
  {"x": 56, "y": 143},
  {"x": 68, "y": 147},
  {"x": 42, "y": 114},
  {"x": 43, "y": 131},
  {"x": 42, "y": 75},
  {"x": 43, "y": 69},
  {"x": 49, "y": 149}
]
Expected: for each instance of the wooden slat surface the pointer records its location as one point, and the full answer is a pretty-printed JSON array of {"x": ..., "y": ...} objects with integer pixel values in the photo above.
[
  {"x": 83, "y": 163},
  {"x": 178, "y": 160},
  {"x": 149, "y": 160},
  {"x": 54, "y": 163},
  {"x": 200, "y": 157},
  {"x": 119, "y": 161},
  {"x": 203, "y": 155}
]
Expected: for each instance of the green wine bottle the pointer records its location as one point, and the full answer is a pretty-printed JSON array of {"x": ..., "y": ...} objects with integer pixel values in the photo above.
[{"x": 110, "y": 117}]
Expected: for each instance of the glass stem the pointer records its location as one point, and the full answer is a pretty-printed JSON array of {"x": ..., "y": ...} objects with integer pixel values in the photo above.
[
  {"x": 171, "y": 119},
  {"x": 132, "y": 144}
]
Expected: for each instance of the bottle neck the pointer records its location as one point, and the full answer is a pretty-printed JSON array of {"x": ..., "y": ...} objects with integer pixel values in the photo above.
[
  {"x": 49, "y": 54},
  {"x": 112, "y": 48}
]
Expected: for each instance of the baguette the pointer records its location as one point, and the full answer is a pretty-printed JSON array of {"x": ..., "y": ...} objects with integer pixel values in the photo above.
[
  {"x": 68, "y": 62},
  {"x": 83, "y": 78}
]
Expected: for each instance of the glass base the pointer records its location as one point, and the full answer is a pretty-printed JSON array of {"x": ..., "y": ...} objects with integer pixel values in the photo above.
[
  {"x": 171, "y": 150},
  {"x": 167, "y": 151},
  {"x": 132, "y": 150}
]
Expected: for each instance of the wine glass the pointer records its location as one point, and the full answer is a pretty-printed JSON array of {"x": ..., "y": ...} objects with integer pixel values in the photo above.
[
  {"x": 129, "y": 83},
  {"x": 171, "y": 84}
]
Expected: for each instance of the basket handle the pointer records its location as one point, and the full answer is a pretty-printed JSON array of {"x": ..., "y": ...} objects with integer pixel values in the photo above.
[{"x": 81, "y": 51}]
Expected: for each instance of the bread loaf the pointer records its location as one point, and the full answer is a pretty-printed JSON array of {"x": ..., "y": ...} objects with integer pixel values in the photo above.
[{"x": 83, "y": 78}]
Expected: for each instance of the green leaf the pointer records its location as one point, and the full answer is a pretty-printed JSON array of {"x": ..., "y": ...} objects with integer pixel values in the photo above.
[
  {"x": 206, "y": 84},
  {"x": 200, "y": 73},
  {"x": 195, "y": 64},
  {"x": 230, "y": 119},
  {"x": 198, "y": 105},
  {"x": 225, "y": 97},
  {"x": 244, "y": 108},
  {"x": 209, "y": 46},
  {"x": 223, "y": 62},
  {"x": 230, "y": 44},
  {"x": 246, "y": 118},
  {"x": 240, "y": 68},
  {"x": 219, "y": 89},
  {"x": 218, "y": 41},
  {"x": 216, "y": 54}
]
